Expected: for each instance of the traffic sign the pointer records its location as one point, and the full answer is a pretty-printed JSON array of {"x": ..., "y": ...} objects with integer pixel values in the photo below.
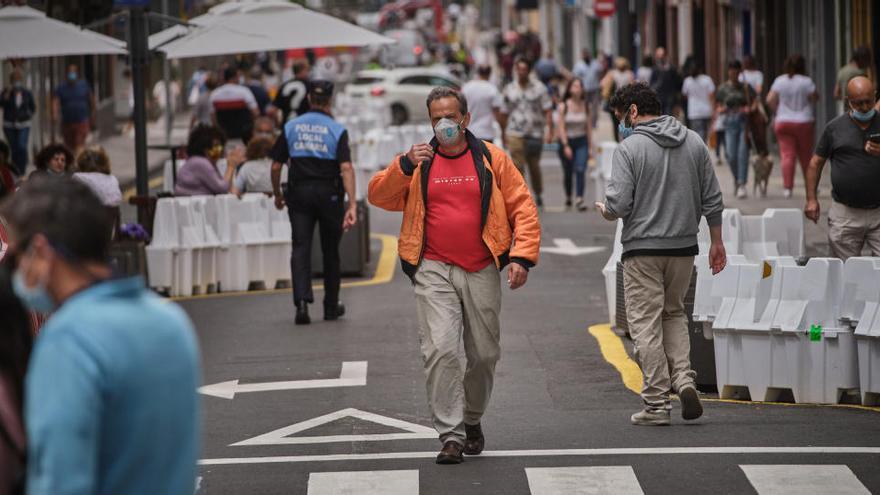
[{"x": 604, "y": 8}]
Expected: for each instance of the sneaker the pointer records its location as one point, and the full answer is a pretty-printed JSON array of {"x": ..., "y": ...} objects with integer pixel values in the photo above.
[
  {"x": 475, "y": 441},
  {"x": 451, "y": 453},
  {"x": 581, "y": 206},
  {"x": 302, "y": 313},
  {"x": 539, "y": 201},
  {"x": 567, "y": 203},
  {"x": 786, "y": 193},
  {"x": 741, "y": 192},
  {"x": 651, "y": 418},
  {"x": 333, "y": 313},
  {"x": 691, "y": 408}
]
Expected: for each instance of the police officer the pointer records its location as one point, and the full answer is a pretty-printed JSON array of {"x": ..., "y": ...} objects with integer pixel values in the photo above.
[{"x": 320, "y": 178}]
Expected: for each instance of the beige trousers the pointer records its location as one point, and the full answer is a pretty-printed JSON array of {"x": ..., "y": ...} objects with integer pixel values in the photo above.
[
  {"x": 850, "y": 229},
  {"x": 458, "y": 310},
  {"x": 654, "y": 287},
  {"x": 524, "y": 155}
]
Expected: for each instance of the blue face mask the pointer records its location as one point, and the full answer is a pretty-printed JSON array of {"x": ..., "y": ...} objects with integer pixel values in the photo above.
[
  {"x": 72, "y": 75},
  {"x": 35, "y": 298},
  {"x": 864, "y": 116},
  {"x": 622, "y": 130}
]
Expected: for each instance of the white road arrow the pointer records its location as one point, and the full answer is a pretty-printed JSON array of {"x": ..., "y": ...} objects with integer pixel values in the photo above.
[
  {"x": 566, "y": 246},
  {"x": 353, "y": 374}
]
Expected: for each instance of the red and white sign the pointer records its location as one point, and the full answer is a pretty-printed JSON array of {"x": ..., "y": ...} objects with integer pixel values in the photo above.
[{"x": 604, "y": 8}]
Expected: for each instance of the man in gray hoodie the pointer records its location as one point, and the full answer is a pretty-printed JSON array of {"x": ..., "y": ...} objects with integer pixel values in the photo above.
[{"x": 662, "y": 182}]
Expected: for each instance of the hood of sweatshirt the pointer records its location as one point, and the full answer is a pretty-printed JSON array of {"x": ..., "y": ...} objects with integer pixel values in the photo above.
[{"x": 666, "y": 131}]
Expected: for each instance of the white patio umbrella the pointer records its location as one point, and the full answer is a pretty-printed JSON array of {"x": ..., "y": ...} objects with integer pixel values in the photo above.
[
  {"x": 29, "y": 33},
  {"x": 257, "y": 26}
]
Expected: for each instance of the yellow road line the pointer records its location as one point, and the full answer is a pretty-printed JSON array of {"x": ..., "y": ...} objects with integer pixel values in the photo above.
[
  {"x": 611, "y": 346},
  {"x": 613, "y": 352},
  {"x": 384, "y": 273}
]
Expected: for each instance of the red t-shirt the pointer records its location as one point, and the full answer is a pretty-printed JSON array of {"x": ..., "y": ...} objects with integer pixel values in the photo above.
[{"x": 453, "y": 233}]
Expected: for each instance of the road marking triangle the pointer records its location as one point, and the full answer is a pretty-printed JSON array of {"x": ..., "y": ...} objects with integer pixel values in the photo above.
[{"x": 284, "y": 436}]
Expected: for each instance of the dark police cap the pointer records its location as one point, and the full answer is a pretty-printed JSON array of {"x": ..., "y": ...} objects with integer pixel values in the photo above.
[{"x": 321, "y": 87}]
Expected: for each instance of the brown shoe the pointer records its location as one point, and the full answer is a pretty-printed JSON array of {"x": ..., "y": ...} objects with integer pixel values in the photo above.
[
  {"x": 451, "y": 453},
  {"x": 475, "y": 440}
]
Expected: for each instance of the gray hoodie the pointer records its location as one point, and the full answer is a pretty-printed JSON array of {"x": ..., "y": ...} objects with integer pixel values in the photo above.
[{"x": 662, "y": 182}]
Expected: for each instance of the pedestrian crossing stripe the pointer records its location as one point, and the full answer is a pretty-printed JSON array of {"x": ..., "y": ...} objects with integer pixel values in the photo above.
[
  {"x": 402, "y": 482},
  {"x": 600, "y": 480},
  {"x": 804, "y": 479},
  {"x": 282, "y": 436},
  {"x": 592, "y": 480}
]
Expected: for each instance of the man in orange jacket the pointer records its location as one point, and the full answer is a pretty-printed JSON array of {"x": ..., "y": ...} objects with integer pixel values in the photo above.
[{"x": 467, "y": 213}]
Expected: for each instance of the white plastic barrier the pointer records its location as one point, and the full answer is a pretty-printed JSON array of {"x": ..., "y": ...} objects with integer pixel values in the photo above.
[
  {"x": 610, "y": 274},
  {"x": 731, "y": 225},
  {"x": 707, "y": 299},
  {"x": 169, "y": 264},
  {"x": 183, "y": 252},
  {"x": 780, "y": 330},
  {"x": 220, "y": 241},
  {"x": 602, "y": 173},
  {"x": 778, "y": 232},
  {"x": 861, "y": 309}
]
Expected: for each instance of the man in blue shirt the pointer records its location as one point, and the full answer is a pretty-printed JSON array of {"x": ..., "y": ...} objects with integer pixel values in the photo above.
[
  {"x": 320, "y": 175},
  {"x": 111, "y": 403},
  {"x": 74, "y": 104}
]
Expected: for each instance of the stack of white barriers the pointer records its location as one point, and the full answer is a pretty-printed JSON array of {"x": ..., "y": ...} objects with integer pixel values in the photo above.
[
  {"x": 218, "y": 243},
  {"x": 783, "y": 329}
]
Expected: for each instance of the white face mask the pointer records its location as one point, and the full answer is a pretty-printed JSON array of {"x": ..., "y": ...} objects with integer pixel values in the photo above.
[{"x": 448, "y": 132}]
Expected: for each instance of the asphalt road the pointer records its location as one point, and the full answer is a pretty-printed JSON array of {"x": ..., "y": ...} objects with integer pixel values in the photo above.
[{"x": 557, "y": 402}]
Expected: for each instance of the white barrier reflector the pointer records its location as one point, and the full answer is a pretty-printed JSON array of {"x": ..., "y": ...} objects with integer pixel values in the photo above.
[{"x": 592, "y": 480}]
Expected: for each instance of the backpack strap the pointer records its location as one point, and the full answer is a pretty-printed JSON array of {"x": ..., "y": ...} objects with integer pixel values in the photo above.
[{"x": 485, "y": 150}]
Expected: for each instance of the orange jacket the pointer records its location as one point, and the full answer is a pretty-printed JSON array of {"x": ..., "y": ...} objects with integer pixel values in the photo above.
[{"x": 511, "y": 229}]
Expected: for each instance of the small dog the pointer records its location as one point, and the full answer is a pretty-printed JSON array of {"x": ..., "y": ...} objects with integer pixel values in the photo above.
[{"x": 762, "y": 166}]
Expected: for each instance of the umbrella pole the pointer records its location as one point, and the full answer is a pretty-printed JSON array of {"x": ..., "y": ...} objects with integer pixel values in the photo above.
[
  {"x": 138, "y": 50},
  {"x": 166, "y": 74}
]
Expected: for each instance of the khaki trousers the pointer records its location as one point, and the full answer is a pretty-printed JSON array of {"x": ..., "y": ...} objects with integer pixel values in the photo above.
[
  {"x": 849, "y": 229},
  {"x": 456, "y": 310},
  {"x": 654, "y": 287},
  {"x": 527, "y": 152}
]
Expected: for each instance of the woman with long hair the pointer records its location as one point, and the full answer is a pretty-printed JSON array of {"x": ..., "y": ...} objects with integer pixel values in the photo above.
[
  {"x": 575, "y": 135},
  {"x": 792, "y": 97}
]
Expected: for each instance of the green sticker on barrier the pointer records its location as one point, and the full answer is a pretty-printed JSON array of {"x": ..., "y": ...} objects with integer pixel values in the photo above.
[{"x": 815, "y": 333}]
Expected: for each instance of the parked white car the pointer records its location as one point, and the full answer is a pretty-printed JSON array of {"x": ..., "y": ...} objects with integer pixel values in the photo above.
[{"x": 404, "y": 91}]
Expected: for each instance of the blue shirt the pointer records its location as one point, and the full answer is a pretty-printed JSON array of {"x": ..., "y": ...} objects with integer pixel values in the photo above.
[
  {"x": 111, "y": 403},
  {"x": 75, "y": 101},
  {"x": 315, "y": 145}
]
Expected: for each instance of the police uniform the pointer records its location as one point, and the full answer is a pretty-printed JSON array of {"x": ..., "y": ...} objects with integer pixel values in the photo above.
[{"x": 316, "y": 146}]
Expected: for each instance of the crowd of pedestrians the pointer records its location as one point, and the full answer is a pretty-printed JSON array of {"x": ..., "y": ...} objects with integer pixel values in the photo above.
[{"x": 468, "y": 214}]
